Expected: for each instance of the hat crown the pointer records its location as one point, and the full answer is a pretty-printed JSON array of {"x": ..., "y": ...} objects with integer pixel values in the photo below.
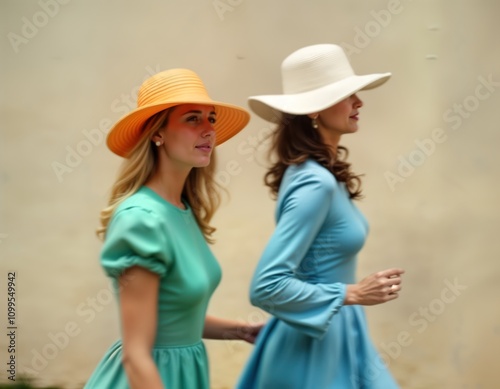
[
  {"x": 171, "y": 85},
  {"x": 314, "y": 67}
]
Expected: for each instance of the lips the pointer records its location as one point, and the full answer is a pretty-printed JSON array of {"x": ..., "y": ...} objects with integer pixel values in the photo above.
[
  {"x": 355, "y": 116},
  {"x": 205, "y": 146}
]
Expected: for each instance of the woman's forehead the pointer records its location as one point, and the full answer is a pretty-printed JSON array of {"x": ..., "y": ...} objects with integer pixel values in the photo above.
[{"x": 195, "y": 108}]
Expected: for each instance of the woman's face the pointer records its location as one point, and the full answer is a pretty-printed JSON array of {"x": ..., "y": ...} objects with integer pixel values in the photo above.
[
  {"x": 189, "y": 136},
  {"x": 341, "y": 118}
]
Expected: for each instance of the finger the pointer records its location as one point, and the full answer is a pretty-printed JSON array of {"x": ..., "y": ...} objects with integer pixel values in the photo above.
[
  {"x": 393, "y": 272},
  {"x": 393, "y": 281},
  {"x": 389, "y": 289},
  {"x": 393, "y": 293},
  {"x": 394, "y": 288}
]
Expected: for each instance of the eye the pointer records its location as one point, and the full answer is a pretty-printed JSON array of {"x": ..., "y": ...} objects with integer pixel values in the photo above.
[
  {"x": 192, "y": 118},
  {"x": 212, "y": 119}
]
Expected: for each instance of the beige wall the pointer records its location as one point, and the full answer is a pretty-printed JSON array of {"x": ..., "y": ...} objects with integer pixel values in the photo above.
[{"x": 73, "y": 71}]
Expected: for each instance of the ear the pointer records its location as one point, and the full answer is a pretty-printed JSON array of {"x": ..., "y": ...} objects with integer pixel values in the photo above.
[
  {"x": 157, "y": 137},
  {"x": 313, "y": 115}
]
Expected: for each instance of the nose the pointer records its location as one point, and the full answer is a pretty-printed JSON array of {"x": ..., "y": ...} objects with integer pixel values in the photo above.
[
  {"x": 358, "y": 103},
  {"x": 208, "y": 130}
]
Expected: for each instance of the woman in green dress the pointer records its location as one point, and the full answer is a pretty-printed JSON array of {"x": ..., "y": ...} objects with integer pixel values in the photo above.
[{"x": 156, "y": 228}]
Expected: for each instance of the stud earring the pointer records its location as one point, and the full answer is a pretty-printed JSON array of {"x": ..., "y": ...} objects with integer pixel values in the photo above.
[
  {"x": 158, "y": 143},
  {"x": 314, "y": 123}
]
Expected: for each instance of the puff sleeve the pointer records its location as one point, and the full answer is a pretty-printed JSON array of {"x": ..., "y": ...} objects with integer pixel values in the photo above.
[
  {"x": 275, "y": 287},
  {"x": 135, "y": 238}
]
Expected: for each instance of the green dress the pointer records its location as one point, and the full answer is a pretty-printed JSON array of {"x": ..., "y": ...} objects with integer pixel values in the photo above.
[{"x": 148, "y": 231}]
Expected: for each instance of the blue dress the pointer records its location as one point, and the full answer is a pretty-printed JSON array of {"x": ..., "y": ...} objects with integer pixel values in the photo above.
[
  {"x": 149, "y": 232},
  {"x": 312, "y": 341}
]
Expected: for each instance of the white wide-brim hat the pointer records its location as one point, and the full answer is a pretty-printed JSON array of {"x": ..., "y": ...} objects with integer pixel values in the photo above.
[{"x": 314, "y": 78}]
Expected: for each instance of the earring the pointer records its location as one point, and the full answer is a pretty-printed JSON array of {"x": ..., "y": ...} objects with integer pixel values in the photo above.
[
  {"x": 158, "y": 143},
  {"x": 314, "y": 123}
]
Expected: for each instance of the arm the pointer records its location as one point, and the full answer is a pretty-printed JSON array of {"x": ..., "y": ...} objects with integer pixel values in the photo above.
[
  {"x": 216, "y": 328},
  {"x": 302, "y": 209},
  {"x": 138, "y": 305},
  {"x": 275, "y": 287}
]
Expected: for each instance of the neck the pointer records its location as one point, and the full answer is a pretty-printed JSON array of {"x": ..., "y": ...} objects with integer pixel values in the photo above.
[
  {"x": 168, "y": 181},
  {"x": 330, "y": 138},
  {"x": 332, "y": 141}
]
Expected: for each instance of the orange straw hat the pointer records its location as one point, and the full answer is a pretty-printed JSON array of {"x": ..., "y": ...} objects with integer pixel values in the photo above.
[{"x": 167, "y": 89}]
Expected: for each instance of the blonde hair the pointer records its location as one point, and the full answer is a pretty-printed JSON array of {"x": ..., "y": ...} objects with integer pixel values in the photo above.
[{"x": 200, "y": 189}]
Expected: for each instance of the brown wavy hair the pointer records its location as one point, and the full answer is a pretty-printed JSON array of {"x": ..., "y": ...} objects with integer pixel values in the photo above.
[
  {"x": 295, "y": 141},
  {"x": 201, "y": 190}
]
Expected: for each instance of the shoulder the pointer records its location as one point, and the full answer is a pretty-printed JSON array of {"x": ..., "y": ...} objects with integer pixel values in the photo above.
[
  {"x": 135, "y": 237},
  {"x": 306, "y": 191},
  {"x": 139, "y": 201},
  {"x": 137, "y": 212},
  {"x": 310, "y": 174},
  {"x": 306, "y": 186}
]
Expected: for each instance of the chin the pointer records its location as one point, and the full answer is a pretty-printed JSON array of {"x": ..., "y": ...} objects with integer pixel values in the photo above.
[{"x": 202, "y": 163}]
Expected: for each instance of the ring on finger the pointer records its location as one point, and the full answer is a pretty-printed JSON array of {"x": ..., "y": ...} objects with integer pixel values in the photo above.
[{"x": 393, "y": 287}]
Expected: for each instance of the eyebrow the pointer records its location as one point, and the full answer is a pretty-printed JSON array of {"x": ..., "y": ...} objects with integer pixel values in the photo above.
[{"x": 197, "y": 112}]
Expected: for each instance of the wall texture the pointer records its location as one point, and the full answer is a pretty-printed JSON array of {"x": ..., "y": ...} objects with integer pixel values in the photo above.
[{"x": 427, "y": 146}]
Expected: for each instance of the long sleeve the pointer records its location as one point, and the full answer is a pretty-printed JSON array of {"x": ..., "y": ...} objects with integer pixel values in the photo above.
[{"x": 303, "y": 205}]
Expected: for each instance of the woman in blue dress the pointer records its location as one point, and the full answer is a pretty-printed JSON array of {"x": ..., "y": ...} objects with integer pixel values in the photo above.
[
  {"x": 156, "y": 229},
  {"x": 317, "y": 337}
]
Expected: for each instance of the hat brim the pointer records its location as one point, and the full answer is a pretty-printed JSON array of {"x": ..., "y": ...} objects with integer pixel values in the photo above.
[
  {"x": 125, "y": 134},
  {"x": 270, "y": 107}
]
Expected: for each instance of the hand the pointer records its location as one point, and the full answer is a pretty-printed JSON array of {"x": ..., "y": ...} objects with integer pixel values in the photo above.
[
  {"x": 217, "y": 328},
  {"x": 375, "y": 289},
  {"x": 249, "y": 332}
]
